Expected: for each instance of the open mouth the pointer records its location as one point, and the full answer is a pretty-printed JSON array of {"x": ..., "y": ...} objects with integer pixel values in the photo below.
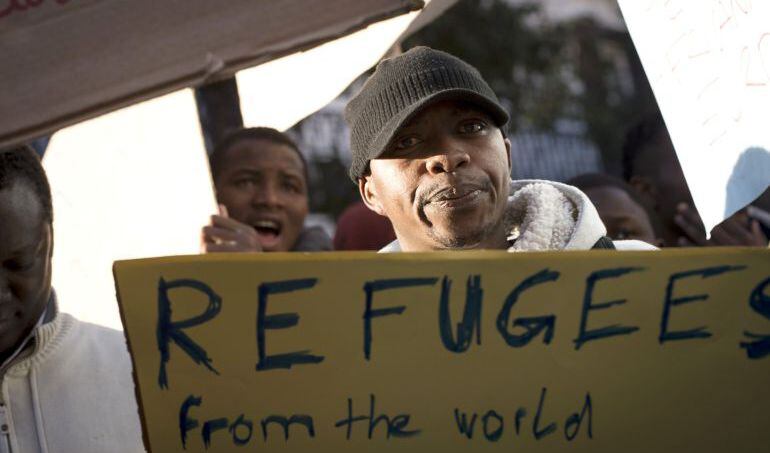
[{"x": 268, "y": 232}]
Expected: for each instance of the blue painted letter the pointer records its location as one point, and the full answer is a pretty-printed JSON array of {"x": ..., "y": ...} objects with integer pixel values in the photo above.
[
  {"x": 168, "y": 331},
  {"x": 670, "y": 301},
  {"x": 185, "y": 422},
  {"x": 609, "y": 331},
  {"x": 760, "y": 302},
  {"x": 533, "y": 325},
  {"x": 280, "y": 321},
  {"x": 380, "y": 285},
  {"x": 471, "y": 316}
]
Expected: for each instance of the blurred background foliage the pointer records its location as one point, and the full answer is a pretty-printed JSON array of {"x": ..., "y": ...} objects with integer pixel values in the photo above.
[{"x": 567, "y": 77}]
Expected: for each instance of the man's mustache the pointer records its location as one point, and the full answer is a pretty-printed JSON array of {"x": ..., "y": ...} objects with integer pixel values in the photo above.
[{"x": 450, "y": 189}]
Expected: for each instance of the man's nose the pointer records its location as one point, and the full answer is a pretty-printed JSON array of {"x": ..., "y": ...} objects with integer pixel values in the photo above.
[
  {"x": 267, "y": 195},
  {"x": 447, "y": 161}
]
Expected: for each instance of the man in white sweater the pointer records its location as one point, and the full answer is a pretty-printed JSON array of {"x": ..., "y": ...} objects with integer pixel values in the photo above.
[
  {"x": 65, "y": 386},
  {"x": 430, "y": 153}
]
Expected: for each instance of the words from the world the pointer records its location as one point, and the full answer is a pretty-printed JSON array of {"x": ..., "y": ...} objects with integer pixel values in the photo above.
[{"x": 465, "y": 351}]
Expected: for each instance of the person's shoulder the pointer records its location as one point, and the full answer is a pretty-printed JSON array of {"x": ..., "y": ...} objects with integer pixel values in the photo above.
[
  {"x": 633, "y": 244},
  {"x": 313, "y": 239},
  {"x": 97, "y": 338}
]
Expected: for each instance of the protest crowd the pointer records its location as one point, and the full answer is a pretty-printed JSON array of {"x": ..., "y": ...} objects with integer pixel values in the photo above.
[{"x": 431, "y": 157}]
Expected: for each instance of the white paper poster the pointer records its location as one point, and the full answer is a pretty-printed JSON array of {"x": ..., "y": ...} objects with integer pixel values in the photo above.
[{"x": 708, "y": 62}]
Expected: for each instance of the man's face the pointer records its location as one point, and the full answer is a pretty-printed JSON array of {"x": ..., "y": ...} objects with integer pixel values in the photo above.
[
  {"x": 263, "y": 185},
  {"x": 25, "y": 264},
  {"x": 623, "y": 217},
  {"x": 443, "y": 180}
]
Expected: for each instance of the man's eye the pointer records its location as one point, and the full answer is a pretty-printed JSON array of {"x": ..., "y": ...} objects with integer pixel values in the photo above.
[
  {"x": 623, "y": 234},
  {"x": 292, "y": 187},
  {"x": 20, "y": 265},
  {"x": 407, "y": 142},
  {"x": 244, "y": 183},
  {"x": 472, "y": 127}
]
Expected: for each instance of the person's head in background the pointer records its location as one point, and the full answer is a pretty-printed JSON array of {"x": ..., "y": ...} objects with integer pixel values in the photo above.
[
  {"x": 651, "y": 167},
  {"x": 26, "y": 245},
  {"x": 261, "y": 179},
  {"x": 620, "y": 207}
]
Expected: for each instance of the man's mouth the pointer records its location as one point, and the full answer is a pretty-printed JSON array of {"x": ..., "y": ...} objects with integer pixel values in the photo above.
[
  {"x": 268, "y": 232},
  {"x": 455, "y": 196}
]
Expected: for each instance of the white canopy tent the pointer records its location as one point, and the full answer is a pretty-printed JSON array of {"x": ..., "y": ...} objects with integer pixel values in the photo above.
[{"x": 64, "y": 62}]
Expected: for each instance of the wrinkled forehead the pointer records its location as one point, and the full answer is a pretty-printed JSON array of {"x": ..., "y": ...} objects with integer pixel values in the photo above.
[{"x": 261, "y": 154}]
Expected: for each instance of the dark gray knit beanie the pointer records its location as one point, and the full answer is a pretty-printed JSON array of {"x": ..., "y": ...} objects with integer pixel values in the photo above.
[{"x": 402, "y": 86}]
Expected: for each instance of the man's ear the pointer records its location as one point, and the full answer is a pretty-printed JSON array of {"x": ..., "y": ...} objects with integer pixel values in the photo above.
[
  {"x": 368, "y": 191},
  {"x": 49, "y": 235},
  {"x": 645, "y": 188},
  {"x": 508, "y": 153}
]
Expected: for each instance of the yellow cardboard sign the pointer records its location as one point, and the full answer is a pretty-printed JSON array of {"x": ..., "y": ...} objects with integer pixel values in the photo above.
[{"x": 597, "y": 351}]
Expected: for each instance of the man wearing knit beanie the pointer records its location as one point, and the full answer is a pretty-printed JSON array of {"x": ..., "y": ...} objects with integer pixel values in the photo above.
[{"x": 430, "y": 153}]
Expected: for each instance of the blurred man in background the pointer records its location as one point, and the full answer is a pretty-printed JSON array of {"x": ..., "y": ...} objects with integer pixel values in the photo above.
[
  {"x": 261, "y": 182},
  {"x": 620, "y": 208},
  {"x": 66, "y": 385}
]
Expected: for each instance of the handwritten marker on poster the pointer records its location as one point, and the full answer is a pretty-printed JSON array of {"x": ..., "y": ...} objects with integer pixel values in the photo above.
[
  {"x": 708, "y": 62},
  {"x": 458, "y": 352}
]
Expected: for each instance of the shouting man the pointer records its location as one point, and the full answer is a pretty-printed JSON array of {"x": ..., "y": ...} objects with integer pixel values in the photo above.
[
  {"x": 261, "y": 182},
  {"x": 430, "y": 153}
]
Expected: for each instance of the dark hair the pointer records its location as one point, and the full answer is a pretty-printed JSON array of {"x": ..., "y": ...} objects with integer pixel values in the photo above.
[
  {"x": 252, "y": 133},
  {"x": 637, "y": 139},
  {"x": 593, "y": 180},
  {"x": 23, "y": 164}
]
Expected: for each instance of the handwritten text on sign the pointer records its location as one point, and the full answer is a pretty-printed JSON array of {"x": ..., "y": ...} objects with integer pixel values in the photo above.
[{"x": 586, "y": 351}]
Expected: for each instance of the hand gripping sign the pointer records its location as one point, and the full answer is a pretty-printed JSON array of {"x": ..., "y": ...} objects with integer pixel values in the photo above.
[{"x": 472, "y": 351}]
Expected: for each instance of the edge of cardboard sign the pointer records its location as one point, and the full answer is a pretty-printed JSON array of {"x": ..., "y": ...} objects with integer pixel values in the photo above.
[
  {"x": 470, "y": 255},
  {"x": 134, "y": 376},
  {"x": 196, "y": 78}
]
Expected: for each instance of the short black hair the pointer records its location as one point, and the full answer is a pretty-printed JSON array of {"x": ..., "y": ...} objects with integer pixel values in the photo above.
[
  {"x": 638, "y": 138},
  {"x": 23, "y": 164},
  {"x": 593, "y": 180},
  {"x": 252, "y": 133}
]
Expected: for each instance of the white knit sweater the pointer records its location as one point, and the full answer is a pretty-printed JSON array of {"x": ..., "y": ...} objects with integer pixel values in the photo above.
[
  {"x": 548, "y": 215},
  {"x": 74, "y": 393}
]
